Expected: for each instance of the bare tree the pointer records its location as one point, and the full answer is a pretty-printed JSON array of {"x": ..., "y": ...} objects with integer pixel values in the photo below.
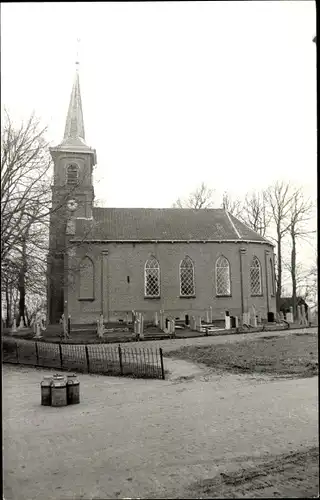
[
  {"x": 26, "y": 211},
  {"x": 25, "y": 180},
  {"x": 312, "y": 281},
  {"x": 279, "y": 198},
  {"x": 200, "y": 198},
  {"x": 234, "y": 207},
  {"x": 299, "y": 214},
  {"x": 25, "y": 197},
  {"x": 255, "y": 212}
]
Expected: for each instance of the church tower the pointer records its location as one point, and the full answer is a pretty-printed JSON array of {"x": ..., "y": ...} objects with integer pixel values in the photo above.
[{"x": 72, "y": 187}]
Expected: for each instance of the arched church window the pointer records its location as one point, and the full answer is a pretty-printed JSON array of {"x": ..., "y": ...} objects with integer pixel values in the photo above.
[
  {"x": 223, "y": 282},
  {"x": 152, "y": 278},
  {"x": 187, "y": 287},
  {"x": 273, "y": 291},
  {"x": 86, "y": 279},
  {"x": 72, "y": 174},
  {"x": 255, "y": 277}
]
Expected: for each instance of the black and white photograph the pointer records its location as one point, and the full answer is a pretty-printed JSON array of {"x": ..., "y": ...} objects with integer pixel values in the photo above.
[{"x": 159, "y": 261}]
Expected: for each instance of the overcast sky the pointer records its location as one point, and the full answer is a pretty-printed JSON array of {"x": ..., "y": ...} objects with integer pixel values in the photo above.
[{"x": 174, "y": 93}]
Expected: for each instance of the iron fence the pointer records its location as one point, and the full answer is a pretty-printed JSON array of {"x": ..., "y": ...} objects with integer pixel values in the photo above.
[{"x": 91, "y": 358}]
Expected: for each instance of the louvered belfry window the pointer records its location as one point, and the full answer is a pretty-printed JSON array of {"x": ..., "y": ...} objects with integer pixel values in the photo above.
[
  {"x": 187, "y": 288},
  {"x": 255, "y": 277},
  {"x": 223, "y": 285},
  {"x": 72, "y": 174},
  {"x": 152, "y": 278}
]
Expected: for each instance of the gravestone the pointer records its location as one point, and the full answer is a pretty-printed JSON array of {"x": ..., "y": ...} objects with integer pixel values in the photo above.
[
  {"x": 246, "y": 318},
  {"x": 289, "y": 317},
  {"x": 193, "y": 323},
  {"x": 253, "y": 316},
  {"x": 14, "y": 326},
  {"x": 299, "y": 315},
  {"x": 254, "y": 322},
  {"x": 156, "y": 319},
  {"x": 198, "y": 325},
  {"x": 43, "y": 324},
  {"x": 227, "y": 321},
  {"x": 100, "y": 327},
  {"x": 259, "y": 317},
  {"x": 64, "y": 326},
  {"x": 38, "y": 330},
  {"x": 210, "y": 315},
  {"x": 207, "y": 317},
  {"x": 303, "y": 316},
  {"x": 136, "y": 325},
  {"x": 37, "y": 326},
  {"x": 141, "y": 326},
  {"x": 170, "y": 328},
  {"x": 161, "y": 320}
]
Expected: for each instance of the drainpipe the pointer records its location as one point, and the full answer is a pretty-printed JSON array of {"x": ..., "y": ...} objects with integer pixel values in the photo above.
[
  {"x": 242, "y": 252},
  {"x": 266, "y": 255},
  {"x": 104, "y": 255}
]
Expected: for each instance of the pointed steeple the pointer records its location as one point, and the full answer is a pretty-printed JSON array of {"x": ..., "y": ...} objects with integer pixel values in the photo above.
[
  {"x": 74, "y": 124},
  {"x": 74, "y": 129},
  {"x": 74, "y": 136}
]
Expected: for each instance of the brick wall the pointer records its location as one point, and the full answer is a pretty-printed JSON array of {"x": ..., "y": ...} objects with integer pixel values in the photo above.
[{"x": 119, "y": 272}]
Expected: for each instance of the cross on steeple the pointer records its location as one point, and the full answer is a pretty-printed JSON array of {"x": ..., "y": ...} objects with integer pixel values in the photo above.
[{"x": 77, "y": 56}]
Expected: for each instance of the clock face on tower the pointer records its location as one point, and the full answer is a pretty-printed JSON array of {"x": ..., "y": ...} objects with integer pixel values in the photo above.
[{"x": 72, "y": 205}]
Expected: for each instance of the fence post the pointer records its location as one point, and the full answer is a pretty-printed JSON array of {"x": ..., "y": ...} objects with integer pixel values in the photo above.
[
  {"x": 60, "y": 351},
  {"x": 161, "y": 361},
  {"x": 120, "y": 359},
  {"x": 37, "y": 354},
  {"x": 87, "y": 357},
  {"x": 17, "y": 351}
]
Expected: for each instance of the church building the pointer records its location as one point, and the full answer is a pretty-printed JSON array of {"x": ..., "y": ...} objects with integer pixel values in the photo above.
[{"x": 115, "y": 260}]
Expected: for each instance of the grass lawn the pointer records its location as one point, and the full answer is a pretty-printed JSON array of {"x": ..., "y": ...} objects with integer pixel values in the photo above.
[{"x": 294, "y": 354}]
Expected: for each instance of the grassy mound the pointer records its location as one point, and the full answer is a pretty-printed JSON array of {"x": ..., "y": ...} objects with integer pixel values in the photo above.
[{"x": 293, "y": 354}]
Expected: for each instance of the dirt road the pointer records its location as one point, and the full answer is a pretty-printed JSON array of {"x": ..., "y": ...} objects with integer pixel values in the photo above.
[{"x": 149, "y": 438}]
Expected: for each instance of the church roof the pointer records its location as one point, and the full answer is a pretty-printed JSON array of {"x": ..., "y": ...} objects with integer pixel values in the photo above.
[{"x": 164, "y": 224}]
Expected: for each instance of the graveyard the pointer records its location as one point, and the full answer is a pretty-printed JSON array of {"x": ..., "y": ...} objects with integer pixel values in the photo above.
[
  {"x": 291, "y": 351},
  {"x": 164, "y": 325}
]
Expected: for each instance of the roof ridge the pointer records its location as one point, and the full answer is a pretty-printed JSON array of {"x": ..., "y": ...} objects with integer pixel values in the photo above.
[
  {"x": 161, "y": 208},
  {"x": 232, "y": 224}
]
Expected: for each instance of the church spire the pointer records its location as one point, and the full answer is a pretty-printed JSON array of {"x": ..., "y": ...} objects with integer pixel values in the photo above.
[
  {"x": 74, "y": 136},
  {"x": 74, "y": 124}
]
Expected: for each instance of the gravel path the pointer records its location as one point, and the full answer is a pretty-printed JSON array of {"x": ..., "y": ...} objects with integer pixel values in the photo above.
[{"x": 148, "y": 438}]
